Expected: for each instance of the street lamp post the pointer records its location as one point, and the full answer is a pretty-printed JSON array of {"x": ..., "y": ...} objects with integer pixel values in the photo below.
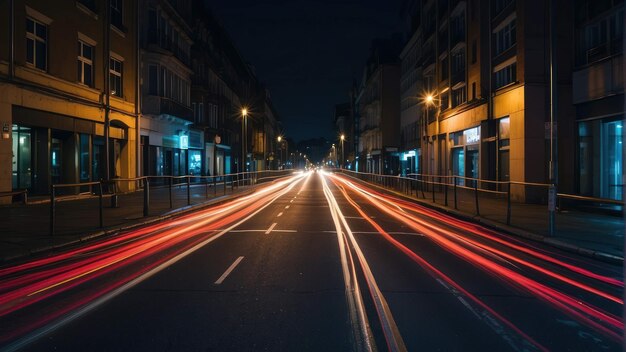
[
  {"x": 429, "y": 101},
  {"x": 280, "y": 151},
  {"x": 244, "y": 151},
  {"x": 343, "y": 137}
]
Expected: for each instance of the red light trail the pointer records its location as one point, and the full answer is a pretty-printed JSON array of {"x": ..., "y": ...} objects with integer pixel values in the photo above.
[
  {"x": 461, "y": 246},
  {"x": 137, "y": 252}
]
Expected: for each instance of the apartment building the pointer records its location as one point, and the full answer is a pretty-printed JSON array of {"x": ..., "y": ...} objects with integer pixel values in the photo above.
[
  {"x": 170, "y": 145},
  {"x": 378, "y": 109},
  {"x": 68, "y": 96},
  {"x": 483, "y": 88}
]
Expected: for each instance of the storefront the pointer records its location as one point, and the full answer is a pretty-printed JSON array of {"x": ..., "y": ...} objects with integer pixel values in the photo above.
[
  {"x": 42, "y": 156},
  {"x": 465, "y": 154},
  {"x": 409, "y": 162},
  {"x": 600, "y": 157}
]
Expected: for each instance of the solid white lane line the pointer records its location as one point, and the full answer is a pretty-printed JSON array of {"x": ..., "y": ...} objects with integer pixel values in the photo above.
[
  {"x": 287, "y": 207},
  {"x": 285, "y": 231},
  {"x": 229, "y": 270},
  {"x": 279, "y": 214},
  {"x": 388, "y": 324},
  {"x": 271, "y": 228},
  {"x": 363, "y": 335}
]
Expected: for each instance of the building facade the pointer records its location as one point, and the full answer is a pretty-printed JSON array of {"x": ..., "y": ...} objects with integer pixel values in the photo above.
[
  {"x": 170, "y": 144},
  {"x": 411, "y": 91},
  {"x": 378, "y": 102},
  {"x": 598, "y": 95},
  {"x": 344, "y": 125},
  {"x": 68, "y": 96},
  {"x": 482, "y": 78}
]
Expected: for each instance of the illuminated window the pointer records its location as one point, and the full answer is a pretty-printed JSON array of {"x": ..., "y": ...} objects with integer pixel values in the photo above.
[{"x": 115, "y": 77}]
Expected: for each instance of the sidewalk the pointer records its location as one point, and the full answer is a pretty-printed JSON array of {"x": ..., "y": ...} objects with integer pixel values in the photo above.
[
  {"x": 594, "y": 234},
  {"x": 25, "y": 229}
]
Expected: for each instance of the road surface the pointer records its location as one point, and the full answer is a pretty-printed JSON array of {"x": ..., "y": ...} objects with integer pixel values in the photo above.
[{"x": 313, "y": 262}]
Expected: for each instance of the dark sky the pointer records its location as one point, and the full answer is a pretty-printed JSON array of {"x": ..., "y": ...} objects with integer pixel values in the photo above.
[{"x": 307, "y": 52}]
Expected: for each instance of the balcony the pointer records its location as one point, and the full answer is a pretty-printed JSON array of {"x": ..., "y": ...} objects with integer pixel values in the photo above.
[
  {"x": 173, "y": 108},
  {"x": 162, "y": 42}
]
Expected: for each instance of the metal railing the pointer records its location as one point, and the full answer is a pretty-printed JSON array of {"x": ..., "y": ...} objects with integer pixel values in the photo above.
[
  {"x": 436, "y": 188},
  {"x": 22, "y": 192},
  {"x": 145, "y": 184}
]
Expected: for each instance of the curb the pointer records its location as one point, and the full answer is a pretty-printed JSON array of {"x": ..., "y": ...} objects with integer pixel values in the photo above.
[
  {"x": 125, "y": 227},
  {"x": 568, "y": 247}
]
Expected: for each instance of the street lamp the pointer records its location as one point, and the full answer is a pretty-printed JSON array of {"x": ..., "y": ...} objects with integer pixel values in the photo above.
[
  {"x": 429, "y": 100},
  {"x": 280, "y": 151},
  {"x": 244, "y": 150},
  {"x": 343, "y": 137}
]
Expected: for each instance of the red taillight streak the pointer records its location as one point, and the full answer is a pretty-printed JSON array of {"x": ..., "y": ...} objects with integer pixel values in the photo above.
[
  {"x": 437, "y": 273},
  {"x": 52, "y": 281},
  {"x": 510, "y": 276},
  {"x": 481, "y": 231}
]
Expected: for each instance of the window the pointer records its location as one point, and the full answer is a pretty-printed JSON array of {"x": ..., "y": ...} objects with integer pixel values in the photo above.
[
  {"x": 459, "y": 96},
  {"x": 506, "y": 75},
  {"x": 85, "y": 63},
  {"x": 505, "y": 37},
  {"x": 458, "y": 65},
  {"x": 116, "y": 14},
  {"x": 115, "y": 77},
  {"x": 153, "y": 80},
  {"x": 36, "y": 44},
  {"x": 444, "y": 68}
]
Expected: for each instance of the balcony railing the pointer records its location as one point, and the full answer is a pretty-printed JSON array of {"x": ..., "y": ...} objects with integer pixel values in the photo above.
[{"x": 174, "y": 108}]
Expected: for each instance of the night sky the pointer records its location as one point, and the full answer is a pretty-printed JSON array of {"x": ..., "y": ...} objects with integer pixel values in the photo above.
[{"x": 307, "y": 52}]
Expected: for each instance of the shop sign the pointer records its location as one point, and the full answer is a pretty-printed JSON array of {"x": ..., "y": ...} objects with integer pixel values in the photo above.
[
  {"x": 184, "y": 142},
  {"x": 472, "y": 135}
]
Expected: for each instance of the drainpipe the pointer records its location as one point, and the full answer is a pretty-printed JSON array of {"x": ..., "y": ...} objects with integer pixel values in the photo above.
[
  {"x": 107, "y": 88},
  {"x": 11, "y": 39},
  {"x": 138, "y": 154}
]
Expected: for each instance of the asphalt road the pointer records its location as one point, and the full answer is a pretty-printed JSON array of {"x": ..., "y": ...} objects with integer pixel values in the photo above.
[{"x": 315, "y": 263}]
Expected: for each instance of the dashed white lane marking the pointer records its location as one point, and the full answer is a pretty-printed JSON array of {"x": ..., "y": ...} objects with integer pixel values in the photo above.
[
  {"x": 279, "y": 214},
  {"x": 264, "y": 230},
  {"x": 287, "y": 207},
  {"x": 291, "y": 201},
  {"x": 271, "y": 228},
  {"x": 389, "y": 232},
  {"x": 228, "y": 271}
]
